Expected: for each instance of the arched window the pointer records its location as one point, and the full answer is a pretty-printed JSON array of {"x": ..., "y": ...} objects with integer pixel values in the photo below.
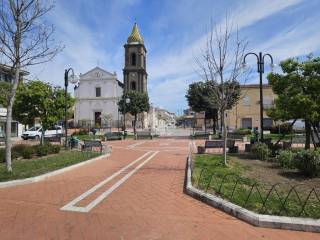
[
  {"x": 133, "y": 86},
  {"x": 133, "y": 59}
]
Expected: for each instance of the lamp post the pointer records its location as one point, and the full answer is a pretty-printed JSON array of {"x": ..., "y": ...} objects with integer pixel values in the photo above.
[
  {"x": 126, "y": 101},
  {"x": 260, "y": 69},
  {"x": 73, "y": 79}
]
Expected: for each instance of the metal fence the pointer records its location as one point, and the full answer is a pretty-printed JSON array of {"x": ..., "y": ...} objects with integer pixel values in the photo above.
[{"x": 281, "y": 199}]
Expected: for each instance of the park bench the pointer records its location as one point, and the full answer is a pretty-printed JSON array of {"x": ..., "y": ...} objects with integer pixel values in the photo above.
[
  {"x": 200, "y": 135},
  {"x": 235, "y": 136},
  {"x": 90, "y": 144},
  {"x": 219, "y": 143},
  {"x": 52, "y": 139},
  {"x": 144, "y": 135},
  {"x": 113, "y": 136}
]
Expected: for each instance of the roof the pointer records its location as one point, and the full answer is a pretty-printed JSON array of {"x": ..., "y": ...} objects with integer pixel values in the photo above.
[
  {"x": 135, "y": 36},
  {"x": 7, "y": 69}
]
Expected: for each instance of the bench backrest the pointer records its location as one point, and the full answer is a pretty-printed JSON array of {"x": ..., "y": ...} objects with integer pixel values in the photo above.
[
  {"x": 52, "y": 139},
  {"x": 218, "y": 143},
  {"x": 110, "y": 134},
  {"x": 144, "y": 133},
  {"x": 92, "y": 143},
  {"x": 236, "y": 135}
]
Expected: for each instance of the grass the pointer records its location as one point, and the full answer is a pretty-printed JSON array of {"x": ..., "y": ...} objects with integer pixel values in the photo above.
[
  {"x": 30, "y": 168},
  {"x": 210, "y": 174},
  {"x": 276, "y": 137}
]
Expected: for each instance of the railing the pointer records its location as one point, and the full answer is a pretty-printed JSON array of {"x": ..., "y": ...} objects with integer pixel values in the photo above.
[{"x": 283, "y": 199}]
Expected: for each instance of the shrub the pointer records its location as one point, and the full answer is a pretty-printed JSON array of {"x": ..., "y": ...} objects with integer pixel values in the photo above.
[
  {"x": 17, "y": 150},
  {"x": 308, "y": 162},
  {"x": 286, "y": 159},
  {"x": 2, "y": 155},
  {"x": 285, "y": 128},
  {"x": 28, "y": 153},
  {"x": 244, "y": 131},
  {"x": 83, "y": 131},
  {"x": 42, "y": 150},
  {"x": 53, "y": 149},
  {"x": 260, "y": 151}
]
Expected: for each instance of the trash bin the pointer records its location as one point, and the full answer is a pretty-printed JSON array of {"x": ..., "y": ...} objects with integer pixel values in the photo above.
[
  {"x": 73, "y": 142},
  {"x": 125, "y": 134}
]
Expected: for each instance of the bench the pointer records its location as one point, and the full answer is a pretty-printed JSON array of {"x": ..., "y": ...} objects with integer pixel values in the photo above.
[
  {"x": 51, "y": 139},
  {"x": 219, "y": 143},
  {"x": 113, "y": 136},
  {"x": 144, "y": 135},
  {"x": 236, "y": 136},
  {"x": 200, "y": 135},
  {"x": 90, "y": 144}
]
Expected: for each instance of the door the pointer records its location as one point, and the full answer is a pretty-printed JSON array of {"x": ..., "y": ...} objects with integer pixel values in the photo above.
[
  {"x": 246, "y": 123},
  {"x": 97, "y": 119}
]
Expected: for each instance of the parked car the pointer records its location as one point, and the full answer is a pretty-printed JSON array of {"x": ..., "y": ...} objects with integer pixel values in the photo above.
[{"x": 36, "y": 132}]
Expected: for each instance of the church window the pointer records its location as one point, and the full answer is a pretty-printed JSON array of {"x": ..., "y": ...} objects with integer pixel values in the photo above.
[
  {"x": 133, "y": 86},
  {"x": 133, "y": 59},
  {"x": 98, "y": 91}
]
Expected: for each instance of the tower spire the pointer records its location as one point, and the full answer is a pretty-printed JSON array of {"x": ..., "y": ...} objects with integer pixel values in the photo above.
[{"x": 135, "y": 36}]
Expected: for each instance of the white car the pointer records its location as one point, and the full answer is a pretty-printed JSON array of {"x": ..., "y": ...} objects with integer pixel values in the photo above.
[{"x": 36, "y": 132}]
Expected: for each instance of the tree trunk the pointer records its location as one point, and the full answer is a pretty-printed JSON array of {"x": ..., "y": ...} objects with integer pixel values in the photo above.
[
  {"x": 224, "y": 138},
  {"x": 214, "y": 126},
  {"x": 134, "y": 124},
  {"x": 9, "y": 118},
  {"x": 308, "y": 134}
]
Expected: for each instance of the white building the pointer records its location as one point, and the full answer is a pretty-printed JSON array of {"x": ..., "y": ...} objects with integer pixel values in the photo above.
[{"x": 97, "y": 97}]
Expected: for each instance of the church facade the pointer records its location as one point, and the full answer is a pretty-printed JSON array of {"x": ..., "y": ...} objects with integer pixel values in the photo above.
[
  {"x": 97, "y": 97},
  {"x": 99, "y": 91}
]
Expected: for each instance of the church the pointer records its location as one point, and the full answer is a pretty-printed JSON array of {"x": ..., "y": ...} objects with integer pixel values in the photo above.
[{"x": 99, "y": 91}]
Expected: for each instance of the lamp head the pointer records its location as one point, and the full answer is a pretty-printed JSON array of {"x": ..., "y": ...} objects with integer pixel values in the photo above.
[
  {"x": 127, "y": 100},
  {"x": 73, "y": 79},
  {"x": 272, "y": 66}
]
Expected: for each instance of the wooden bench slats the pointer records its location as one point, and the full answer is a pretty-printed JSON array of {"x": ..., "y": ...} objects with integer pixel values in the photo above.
[
  {"x": 218, "y": 143},
  {"x": 90, "y": 144}
]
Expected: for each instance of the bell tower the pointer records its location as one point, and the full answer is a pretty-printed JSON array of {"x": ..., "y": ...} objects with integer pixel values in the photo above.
[{"x": 134, "y": 72}]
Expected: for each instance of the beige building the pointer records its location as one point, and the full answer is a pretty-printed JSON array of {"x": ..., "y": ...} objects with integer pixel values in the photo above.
[{"x": 246, "y": 114}]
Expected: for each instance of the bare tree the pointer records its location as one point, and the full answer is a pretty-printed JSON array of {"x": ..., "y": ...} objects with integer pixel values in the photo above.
[
  {"x": 220, "y": 62},
  {"x": 25, "y": 40}
]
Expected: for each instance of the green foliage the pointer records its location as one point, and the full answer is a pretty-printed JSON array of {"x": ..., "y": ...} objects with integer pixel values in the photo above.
[
  {"x": 139, "y": 103},
  {"x": 284, "y": 128},
  {"x": 260, "y": 151},
  {"x": 4, "y": 93},
  {"x": 286, "y": 159},
  {"x": 308, "y": 162},
  {"x": 28, "y": 153},
  {"x": 17, "y": 150},
  {"x": 42, "y": 150},
  {"x": 38, "y": 166},
  {"x": 40, "y": 99},
  {"x": 2, "y": 155},
  {"x": 53, "y": 149},
  {"x": 243, "y": 131},
  {"x": 202, "y": 96}
]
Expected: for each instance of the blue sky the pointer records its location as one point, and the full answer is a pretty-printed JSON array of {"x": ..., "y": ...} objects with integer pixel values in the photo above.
[{"x": 174, "y": 31}]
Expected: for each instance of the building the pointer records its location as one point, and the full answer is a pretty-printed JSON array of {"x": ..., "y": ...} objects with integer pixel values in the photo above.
[
  {"x": 97, "y": 96},
  {"x": 135, "y": 75},
  {"x": 246, "y": 114},
  {"x": 6, "y": 75}
]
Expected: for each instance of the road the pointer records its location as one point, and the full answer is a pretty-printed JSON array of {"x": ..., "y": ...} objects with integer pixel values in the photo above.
[{"x": 136, "y": 193}]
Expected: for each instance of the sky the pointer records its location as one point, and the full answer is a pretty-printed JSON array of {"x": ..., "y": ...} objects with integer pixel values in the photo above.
[{"x": 94, "y": 32}]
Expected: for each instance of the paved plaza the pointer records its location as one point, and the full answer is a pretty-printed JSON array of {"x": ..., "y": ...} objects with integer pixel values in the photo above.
[{"x": 136, "y": 193}]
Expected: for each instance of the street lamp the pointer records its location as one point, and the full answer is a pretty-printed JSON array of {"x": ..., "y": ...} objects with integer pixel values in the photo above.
[
  {"x": 126, "y": 101},
  {"x": 72, "y": 79},
  {"x": 260, "y": 69}
]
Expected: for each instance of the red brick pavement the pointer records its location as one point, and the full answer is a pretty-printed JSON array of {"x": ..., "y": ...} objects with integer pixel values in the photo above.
[{"x": 149, "y": 205}]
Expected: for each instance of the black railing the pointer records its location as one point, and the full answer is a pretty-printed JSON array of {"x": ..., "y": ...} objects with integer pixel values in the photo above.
[{"x": 281, "y": 199}]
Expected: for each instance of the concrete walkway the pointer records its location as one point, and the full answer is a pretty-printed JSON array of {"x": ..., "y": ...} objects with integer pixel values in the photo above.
[{"x": 136, "y": 193}]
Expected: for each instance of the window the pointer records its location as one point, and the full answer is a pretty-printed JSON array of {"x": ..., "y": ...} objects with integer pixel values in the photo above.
[
  {"x": 133, "y": 86},
  {"x": 133, "y": 59},
  {"x": 267, "y": 123},
  {"x": 246, "y": 123},
  {"x": 98, "y": 92},
  {"x": 246, "y": 101}
]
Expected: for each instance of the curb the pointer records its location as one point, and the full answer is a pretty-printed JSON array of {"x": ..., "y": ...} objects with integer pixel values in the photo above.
[
  {"x": 49, "y": 174},
  {"x": 255, "y": 219}
]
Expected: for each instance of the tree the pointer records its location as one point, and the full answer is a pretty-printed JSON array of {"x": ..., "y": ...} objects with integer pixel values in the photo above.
[
  {"x": 37, "y": 99},
  {"x": 298, "y": 94},
  {"x": 25, "y": 40},
  {"x": 220, "y": 64},
  {"x": 139, "y": 103},
  {"x": 200, "y": 99},
  {"x": 4, "y": 93}
]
